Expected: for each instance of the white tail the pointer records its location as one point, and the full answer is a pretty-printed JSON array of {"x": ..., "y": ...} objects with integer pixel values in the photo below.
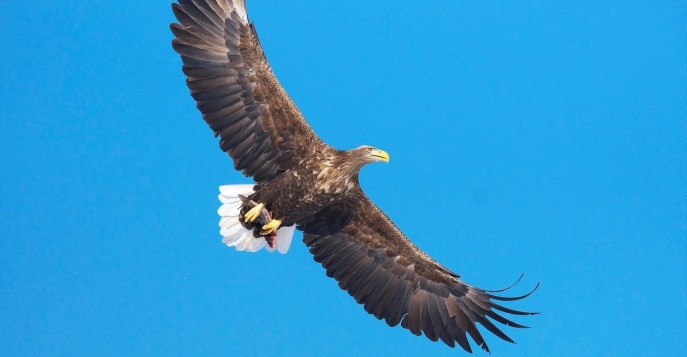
[{"x": 234, "y": 234}]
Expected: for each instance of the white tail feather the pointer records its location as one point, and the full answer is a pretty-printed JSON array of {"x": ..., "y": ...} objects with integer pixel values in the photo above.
[
  {"x": 284, "y": 237},
  {"x": 234, "y": 234}
]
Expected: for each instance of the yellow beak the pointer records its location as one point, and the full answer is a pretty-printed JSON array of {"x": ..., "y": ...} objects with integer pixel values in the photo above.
[{"x": 380, "y": 155}]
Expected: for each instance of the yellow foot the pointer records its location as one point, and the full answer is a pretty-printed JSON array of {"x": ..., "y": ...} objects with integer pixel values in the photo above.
[
  {"x": 270, "y": 227},
  {"x": 254, "y": 213}
]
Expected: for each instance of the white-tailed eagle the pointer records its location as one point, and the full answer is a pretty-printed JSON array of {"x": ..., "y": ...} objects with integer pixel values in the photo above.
[{"x": 302, "y": 182}]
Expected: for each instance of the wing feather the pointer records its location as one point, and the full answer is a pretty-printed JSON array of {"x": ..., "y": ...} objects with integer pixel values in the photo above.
[
  {"x": 399, "y": 302},
  {"x": 382, "y": 270},
  {"x": 378, "y": 288},
  {"x": 396, "y": 309},
  {"x": 236, "y": 91}
]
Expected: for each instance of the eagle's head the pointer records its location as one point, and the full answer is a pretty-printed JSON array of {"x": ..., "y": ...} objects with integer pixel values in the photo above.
[
  {"x": 367, "y": 154},
  {"x": 350, "y": 162}
]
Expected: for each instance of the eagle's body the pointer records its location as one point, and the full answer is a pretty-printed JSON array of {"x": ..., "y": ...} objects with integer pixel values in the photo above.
[
  {"x": 303, "y": 182},
  {"x": 320, "y": 180}
]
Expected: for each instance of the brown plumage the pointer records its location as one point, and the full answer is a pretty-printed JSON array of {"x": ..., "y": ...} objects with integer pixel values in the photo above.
[{"x": 303, "y": 181}]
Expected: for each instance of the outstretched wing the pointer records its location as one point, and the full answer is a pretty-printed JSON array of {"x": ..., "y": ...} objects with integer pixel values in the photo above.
[
  {"x": 368, "y": 255},
  {"x": 241, "y": 100}
]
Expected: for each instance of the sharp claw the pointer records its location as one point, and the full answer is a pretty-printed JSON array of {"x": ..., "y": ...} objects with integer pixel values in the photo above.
[
  {"x": 270, "y": 227},
  {"x": 253, "y": 213}
]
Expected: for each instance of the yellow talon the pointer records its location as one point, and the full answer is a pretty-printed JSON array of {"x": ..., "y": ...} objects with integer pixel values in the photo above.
[
  {"x": 270, "y": 227},
  {"x": 253, "y": 213}
]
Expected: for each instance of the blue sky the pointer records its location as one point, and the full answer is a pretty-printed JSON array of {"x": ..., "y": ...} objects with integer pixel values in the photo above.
[{"x": 552, "y": 134}]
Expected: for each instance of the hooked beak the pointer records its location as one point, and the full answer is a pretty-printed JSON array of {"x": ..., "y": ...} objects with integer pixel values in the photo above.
[{"x": 380, "y": 155}]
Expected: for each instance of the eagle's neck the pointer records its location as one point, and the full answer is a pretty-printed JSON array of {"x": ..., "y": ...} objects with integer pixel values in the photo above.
[
  {"x": 333, "y": 172},
  {"x": 348, "y": 164}
]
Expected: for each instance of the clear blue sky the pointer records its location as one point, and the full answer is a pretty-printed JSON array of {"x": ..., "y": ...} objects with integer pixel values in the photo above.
[{"x": 553, "y": 134}]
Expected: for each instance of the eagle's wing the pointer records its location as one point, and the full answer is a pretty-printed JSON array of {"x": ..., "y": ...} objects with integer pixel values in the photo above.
[
  {"x": 371, "y": 258},
  {"x": 241, "y": 100}
]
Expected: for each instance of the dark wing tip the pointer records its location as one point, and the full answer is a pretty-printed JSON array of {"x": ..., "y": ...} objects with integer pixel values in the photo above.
[
  {"x": 484, "y": 348},
  {"x": 510, "y": 298},
  {"x": 506, "y": 288}
]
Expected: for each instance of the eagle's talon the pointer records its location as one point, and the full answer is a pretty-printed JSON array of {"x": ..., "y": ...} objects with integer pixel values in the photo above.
[
  {"x": 270, "y": 227},
  {"x": 253, "y": 213}
]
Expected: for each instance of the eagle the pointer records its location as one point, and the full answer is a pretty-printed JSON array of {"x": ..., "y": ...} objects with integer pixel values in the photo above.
[{"x": 301, "y": 182}]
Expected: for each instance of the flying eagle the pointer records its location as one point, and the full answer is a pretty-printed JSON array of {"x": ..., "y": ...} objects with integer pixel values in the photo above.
[{"x": 302, "y": 182}]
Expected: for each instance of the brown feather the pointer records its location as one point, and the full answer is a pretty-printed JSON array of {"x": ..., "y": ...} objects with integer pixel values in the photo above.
[
  {"x": 422, "y": 295},
  {"x": 303, "y": 181},
  {"x": 232, "y": 81}
]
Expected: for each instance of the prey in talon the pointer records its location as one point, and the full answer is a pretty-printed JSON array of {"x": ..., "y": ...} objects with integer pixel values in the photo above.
[{"x": 256, "y": 216}]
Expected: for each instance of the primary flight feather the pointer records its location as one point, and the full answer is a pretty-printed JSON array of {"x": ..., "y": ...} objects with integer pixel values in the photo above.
[{"x": 300, "y": 181}]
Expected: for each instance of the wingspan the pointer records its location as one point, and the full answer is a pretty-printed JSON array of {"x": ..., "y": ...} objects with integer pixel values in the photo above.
[
  {"x": 374, "y": 262},
  {"x": 240, "y": 98}
]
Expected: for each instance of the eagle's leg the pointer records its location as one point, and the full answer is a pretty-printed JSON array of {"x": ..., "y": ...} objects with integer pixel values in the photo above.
[
  {"x": 270, "y": 228},
  {"x": 259, "y": 212},
  {"x": 262, "y": 214},
  {"x": 253, "y": 213}
]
